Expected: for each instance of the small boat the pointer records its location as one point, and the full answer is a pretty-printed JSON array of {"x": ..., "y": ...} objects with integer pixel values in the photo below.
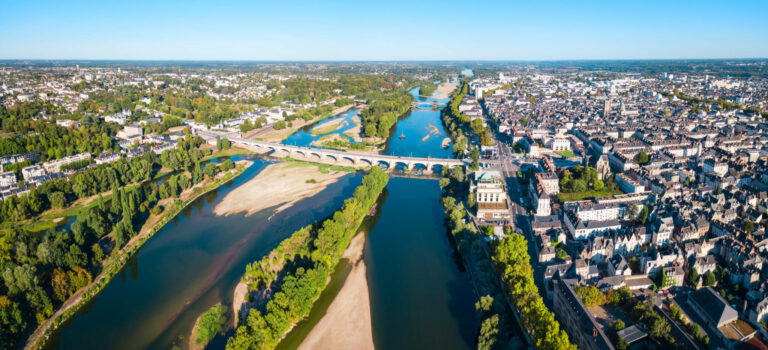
[{"x": 402, "y": 136}]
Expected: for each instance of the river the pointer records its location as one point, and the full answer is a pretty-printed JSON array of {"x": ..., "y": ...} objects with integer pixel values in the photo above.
[
  {"x": 420, "y": 298},
  {"x": 186, "y": 267}
]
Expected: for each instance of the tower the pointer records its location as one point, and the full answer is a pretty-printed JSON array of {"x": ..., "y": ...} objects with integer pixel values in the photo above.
[{"x": 607, "y": 108}]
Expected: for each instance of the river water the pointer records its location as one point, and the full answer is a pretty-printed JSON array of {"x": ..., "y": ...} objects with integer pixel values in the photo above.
[{"x": 420, "y": 298}]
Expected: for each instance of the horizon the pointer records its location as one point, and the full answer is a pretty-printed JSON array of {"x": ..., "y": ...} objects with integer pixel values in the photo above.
[{"x": 399, "y": 31}]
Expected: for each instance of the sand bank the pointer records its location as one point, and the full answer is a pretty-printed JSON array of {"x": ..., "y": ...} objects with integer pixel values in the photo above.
[
  {"x": 347, "y": 322},
  {"x": 444, "y": 90},
  {"x": 278, "y": 184}
]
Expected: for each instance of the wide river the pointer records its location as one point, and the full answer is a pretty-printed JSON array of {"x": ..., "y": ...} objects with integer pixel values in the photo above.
[{"x": 420, "y": 298}]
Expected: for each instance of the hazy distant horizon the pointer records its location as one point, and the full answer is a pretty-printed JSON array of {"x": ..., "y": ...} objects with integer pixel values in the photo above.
[{"x": 396, "y": 30}]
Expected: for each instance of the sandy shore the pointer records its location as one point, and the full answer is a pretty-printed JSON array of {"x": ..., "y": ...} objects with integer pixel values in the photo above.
[
  {"x": 280, "y": 183},
  {"x": 347, "y": 322},
  {"x": 241, "y": 290},
  {"x": 444, "y": 90}
]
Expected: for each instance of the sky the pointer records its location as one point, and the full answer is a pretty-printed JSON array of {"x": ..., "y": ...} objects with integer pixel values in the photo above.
[{"x": 382, "y": 30}]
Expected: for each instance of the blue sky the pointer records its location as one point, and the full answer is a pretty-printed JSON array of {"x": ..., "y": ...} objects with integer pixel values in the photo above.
[{"x": 382, "y": 30}]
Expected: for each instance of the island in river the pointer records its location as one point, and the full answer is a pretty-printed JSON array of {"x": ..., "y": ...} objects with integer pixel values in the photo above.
[{"x": 347, "y": 322}]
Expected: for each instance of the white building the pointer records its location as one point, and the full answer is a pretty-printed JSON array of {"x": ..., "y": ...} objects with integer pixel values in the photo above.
[
  {"x": 32, "y": 172},
  {"x": 8, "y": 179},
  {"x": 54, "y": 166},
  {"x": 711, "y": 165},
  {"x": 491, "y": 195}
]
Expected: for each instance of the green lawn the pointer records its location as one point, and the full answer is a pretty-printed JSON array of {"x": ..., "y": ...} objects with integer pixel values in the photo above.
[{"x": 567, "y": 154}]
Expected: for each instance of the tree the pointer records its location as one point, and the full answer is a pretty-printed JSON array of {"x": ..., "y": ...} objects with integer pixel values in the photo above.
[
  {"x": 709, "y": 279},
  {"x": 488, "y": 331},
  {"x": 474, "y": 153},
  {"x": 598, "y": 185},
  {"x": 644, "y": 214},
  {"x": 641, "y": 158},
  {"x": 485, "y": 304},
  {"x": 693, "y": 277},
  {"x": 591, "y": 296},
  {"x": 749, "y": 226},
  {"x": 58, "y": 200},
  {"x": 632, "y": 210},
  {"x": 561, "y": 254},
  {"x": 210, "y": 324},
  {"x": 579, "y": 185},
  {"x": 280, "y": 124},
  {"x": 619, "y": 325}
]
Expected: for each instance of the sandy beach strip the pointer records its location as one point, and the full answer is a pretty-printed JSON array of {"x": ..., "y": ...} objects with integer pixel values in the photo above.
[
  {"x": 278, "y": 184},
  {"x": 444, "y": 90},
  {"x": 347, "y": 322}
]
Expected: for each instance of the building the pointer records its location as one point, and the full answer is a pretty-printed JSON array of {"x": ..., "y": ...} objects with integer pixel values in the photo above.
[
  {"x": 710, "y": 306},
  {"x": 31, "y": 157},
  {"x": 67, "y": 123},
  {"x": 8, "y": 179},
  {"x": 54, "y": 166},
  {"x": 32, "y": 172},
  {"x": 713, "y": 166},
  {"x": 108, "y": 157},
  {"x": 130, "y": 131},
  {"x": 120, "y": 118},
  {"x": 576, "y": 319},
  {"x": 492, "y": 202}
]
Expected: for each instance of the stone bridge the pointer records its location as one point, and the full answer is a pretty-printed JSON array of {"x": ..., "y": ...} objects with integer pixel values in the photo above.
[
  {"x": 323, "y": 155},
  {"x": 419, "y": 105}
]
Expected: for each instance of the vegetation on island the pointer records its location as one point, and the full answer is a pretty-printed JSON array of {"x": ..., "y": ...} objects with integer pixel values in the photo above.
[
  {"x": 427, "y": 89},
  {"x": 382, "y": 114},
  {"x": 295, "y": 273},
  {"x": 209, "y": 324}
]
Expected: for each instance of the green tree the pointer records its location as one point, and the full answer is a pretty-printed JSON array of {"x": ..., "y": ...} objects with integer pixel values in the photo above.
[
  {"x": 644, "y": 214},
  {"x": 693, "y": 277},
  {"x": 485, "y": 304},
  {"x": 709, "y": 279},
  {"x": 488, "y": 331},
  {"x": 210, "y": 324},
  {"x": 749, "y": 226},
  {"x": 641, "y": 158}
]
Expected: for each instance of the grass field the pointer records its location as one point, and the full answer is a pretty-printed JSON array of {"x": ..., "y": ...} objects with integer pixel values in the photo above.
[{"x": 567, "y": 154}]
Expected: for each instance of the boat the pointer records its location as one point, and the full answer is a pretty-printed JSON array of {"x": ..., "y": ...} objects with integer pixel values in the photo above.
[{"x": 402, "y": 136}]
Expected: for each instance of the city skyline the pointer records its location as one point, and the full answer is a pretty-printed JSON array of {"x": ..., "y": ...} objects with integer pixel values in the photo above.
[{"x": 399, "y": 31}]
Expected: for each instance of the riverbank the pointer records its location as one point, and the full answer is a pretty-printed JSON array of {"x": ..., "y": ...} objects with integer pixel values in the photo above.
[
  {"x": 347, "y": 322},
  {"x": 280, "y": 184},
  {"x": 114, "y": 264},
  {"x": 444, "y": 90}
]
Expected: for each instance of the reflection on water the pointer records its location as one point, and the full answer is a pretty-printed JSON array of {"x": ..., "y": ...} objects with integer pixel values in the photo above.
[
  {"x": 186, "y": 268},
  {"x": 419, "y": 297}
]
